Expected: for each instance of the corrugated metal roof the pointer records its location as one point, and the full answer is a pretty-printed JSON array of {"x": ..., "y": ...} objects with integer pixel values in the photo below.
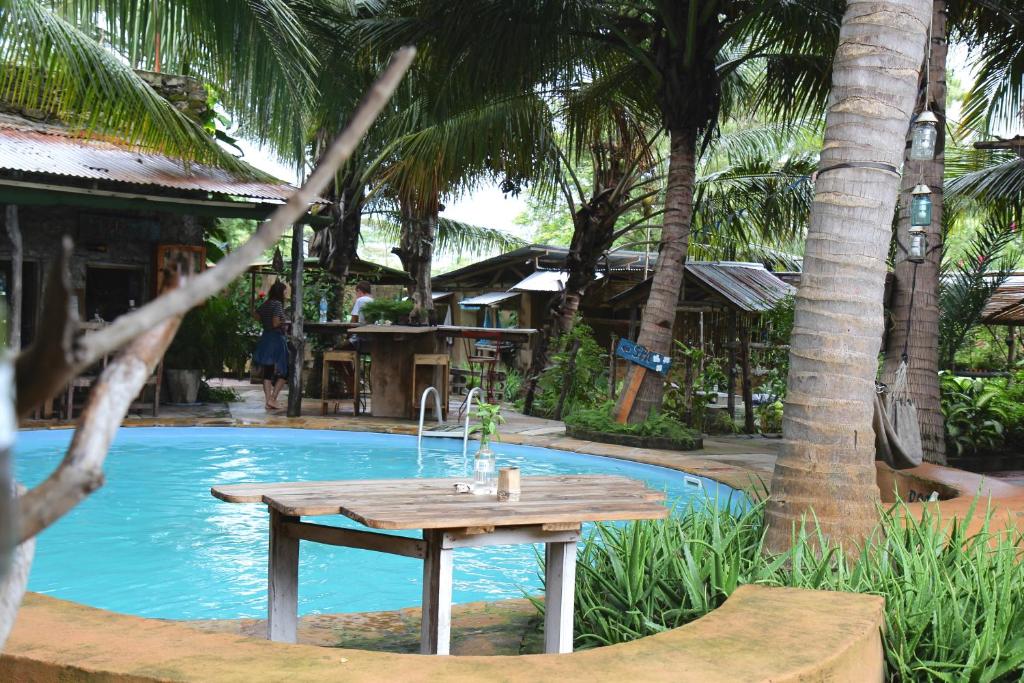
[
  {"x": 488, "y": 299},
  {"x": 1006, "y": 305},
  {"x": 544, "y": 281},
  {"x": 748, "y": 285},
  {"x": 37, "y": 148}
]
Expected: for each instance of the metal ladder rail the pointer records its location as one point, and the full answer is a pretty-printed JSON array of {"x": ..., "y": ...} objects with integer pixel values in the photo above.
[
  {"x": 437, "y": 405},
  {"x": 465, "y": 430},
  {"x": 423, "y": 409}
]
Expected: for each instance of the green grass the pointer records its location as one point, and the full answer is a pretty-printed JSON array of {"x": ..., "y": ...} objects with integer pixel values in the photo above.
[{"x": 954, "y": 602}]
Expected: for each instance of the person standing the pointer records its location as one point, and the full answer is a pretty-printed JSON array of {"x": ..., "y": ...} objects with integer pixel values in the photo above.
[
  {"x": 363, "y": 297},
  {"x": 271, "y": 352}
]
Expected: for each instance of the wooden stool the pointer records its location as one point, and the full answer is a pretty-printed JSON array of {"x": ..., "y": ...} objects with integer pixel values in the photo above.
[
  {"x": 341, "y": 358},
  {"x": 436, "y": 360}
]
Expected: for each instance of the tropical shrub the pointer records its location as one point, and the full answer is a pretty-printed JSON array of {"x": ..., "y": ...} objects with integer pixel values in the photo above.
[
  {"x": 769, "y": 417},
  {"x": 585, "y": 376},
  {"x": 599, "y": 419},
  {"x": 954, "y": 610},
  {"x": 387, "y": 310},
  {"x": 975, "y": 412},
  {"x": 692, "y": 385},
  {"x": 217, "y": 335}
]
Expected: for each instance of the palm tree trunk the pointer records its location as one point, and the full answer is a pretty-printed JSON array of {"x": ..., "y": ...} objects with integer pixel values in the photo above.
[
  {"x": 915, "y": 309},
  {"x": 826, "y": 466},
  {"x": 416, "y": 251},
  {"x": 660, "y": 312}
]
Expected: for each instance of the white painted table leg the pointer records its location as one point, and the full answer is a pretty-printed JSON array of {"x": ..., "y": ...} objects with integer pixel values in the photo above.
[
  {"x": 559, "y": 593},
  {"x": 282, "y": 581},
  {"x": 435, "y": 630}
]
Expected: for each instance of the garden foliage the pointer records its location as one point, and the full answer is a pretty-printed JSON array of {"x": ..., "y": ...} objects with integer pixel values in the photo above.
[
  {"x": 587, "y": 382},
  {"x": 599, "y": 419},
  {"x": 982, "y": 416},
  {"x": 954, "y": 610}
]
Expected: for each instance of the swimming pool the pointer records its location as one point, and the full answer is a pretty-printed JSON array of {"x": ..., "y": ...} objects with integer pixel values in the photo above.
[{"x": 153, "y": 542}]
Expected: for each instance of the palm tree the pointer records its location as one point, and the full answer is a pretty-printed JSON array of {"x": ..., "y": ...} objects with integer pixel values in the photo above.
[
  {"x": 682, "y": 60},
  {"x": 994, "y": 31},
  {"x": 826, "y": 466}
]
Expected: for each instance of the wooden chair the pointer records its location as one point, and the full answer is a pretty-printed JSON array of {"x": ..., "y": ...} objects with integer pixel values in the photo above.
[
  {"x": 342, "y": 360},
  {"x": 156, "y": 381},
  {"x": 435, "y": 361}
]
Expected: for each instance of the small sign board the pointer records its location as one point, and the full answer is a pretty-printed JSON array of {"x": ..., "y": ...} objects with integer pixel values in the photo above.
[{"x": 635, "y": 353}]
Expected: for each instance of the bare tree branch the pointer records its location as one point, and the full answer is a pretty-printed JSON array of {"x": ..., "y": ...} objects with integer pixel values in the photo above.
[
  {"x": 81, "y": 471},
  {"x": 13, "y": 585},
  {"x": 43, "y": 368}
]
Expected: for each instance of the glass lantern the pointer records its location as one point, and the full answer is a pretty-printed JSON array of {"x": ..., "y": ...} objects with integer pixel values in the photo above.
[
  {"x": 921, "y": 206},
  {"x": 925, "y": 135},
  {"x": 918, "y": 245}
]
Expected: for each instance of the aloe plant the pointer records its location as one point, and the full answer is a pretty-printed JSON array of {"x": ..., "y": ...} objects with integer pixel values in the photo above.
[{"x": 954, "y": 610}]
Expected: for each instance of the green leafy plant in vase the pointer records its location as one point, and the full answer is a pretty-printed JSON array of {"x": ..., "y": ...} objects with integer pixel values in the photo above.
[{"x": 485, "y": 474}]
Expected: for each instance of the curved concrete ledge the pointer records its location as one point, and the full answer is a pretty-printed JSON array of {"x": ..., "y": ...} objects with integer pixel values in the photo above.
[{"x": 759, "y": 634}]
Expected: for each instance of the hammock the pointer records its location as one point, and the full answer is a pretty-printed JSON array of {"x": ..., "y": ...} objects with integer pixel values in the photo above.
[{"x": 897, "y": 434}]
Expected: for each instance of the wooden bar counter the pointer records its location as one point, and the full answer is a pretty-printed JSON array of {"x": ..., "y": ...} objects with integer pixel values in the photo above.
[{"x": 392, "y": 348}]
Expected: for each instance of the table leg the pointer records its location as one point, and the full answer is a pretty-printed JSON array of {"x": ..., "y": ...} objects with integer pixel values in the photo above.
[
  {"x": 560, "y": 585},
  {"x": 436, "y": 626},
  {"x": 282, "y": 581}
]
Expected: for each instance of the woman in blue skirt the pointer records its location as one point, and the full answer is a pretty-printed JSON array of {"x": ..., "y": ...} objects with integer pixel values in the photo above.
[{"x": 272, "y": 350}]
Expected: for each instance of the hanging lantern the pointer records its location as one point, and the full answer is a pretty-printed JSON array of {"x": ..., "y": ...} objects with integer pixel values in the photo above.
[
  {"x": 918, "y": 245},
  {"x": 925, "y": 135},
  {"x": 921, "y": 205}
]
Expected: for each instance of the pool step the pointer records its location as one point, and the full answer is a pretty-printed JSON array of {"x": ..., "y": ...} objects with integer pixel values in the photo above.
[{"x": 445, "y": 431}]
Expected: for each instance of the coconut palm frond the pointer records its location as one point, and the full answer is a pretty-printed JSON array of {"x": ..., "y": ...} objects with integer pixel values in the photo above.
[
  {"x": 969, "y": 279},
  {"x": 756, "y": 201},
  {"x": 507, "y": 138},
  {"x": 256, "y": 54},
  {"x": 994, "y": 33},
  {"x": 453, "y": 237},
  {"x": 773, "y": 258},
  {"x": 50, "y": 65},
  {"x": 744, "y": 140},
  {"x": 999, "y": 181}
]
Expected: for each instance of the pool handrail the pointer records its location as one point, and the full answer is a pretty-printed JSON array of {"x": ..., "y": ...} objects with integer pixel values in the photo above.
[
  {"x": 469, "y": 406},
  {"x": 423, "y": 408}
]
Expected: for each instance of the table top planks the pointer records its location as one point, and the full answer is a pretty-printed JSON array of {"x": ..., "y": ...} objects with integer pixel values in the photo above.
[{"x": 434, "y": 504}]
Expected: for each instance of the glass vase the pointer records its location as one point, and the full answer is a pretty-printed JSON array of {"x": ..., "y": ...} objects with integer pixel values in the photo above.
[{"x": 485, "y": 474}]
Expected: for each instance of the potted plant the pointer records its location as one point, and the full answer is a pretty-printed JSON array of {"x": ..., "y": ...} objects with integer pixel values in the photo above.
[
  {"x": 387, "y": 311},
  {"x": 192, "y": 352},
  {"x": 484, "y": 472}
]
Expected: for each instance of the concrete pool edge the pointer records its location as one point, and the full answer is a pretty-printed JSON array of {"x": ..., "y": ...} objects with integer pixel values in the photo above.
[
  {"x": 40, "y": 652},
  {"x": 760, "y": 633}
]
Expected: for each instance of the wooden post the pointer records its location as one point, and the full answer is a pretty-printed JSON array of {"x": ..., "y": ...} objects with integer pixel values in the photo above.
[
  {"x": 748, "y": 393},
  {"x": 559, "y": 585},
  {"x": 629, "y": 392},
  {"x": 436, "y": 619},
  {"x": 14, "y": 295},
  {"x": 282, "y": 580},
  {"x": 298, "y": 336},
  {"x": 731, "y": 401}
]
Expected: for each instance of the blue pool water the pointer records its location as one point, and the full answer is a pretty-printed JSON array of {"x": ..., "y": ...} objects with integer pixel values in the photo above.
[{"x": 154, "y": 542}]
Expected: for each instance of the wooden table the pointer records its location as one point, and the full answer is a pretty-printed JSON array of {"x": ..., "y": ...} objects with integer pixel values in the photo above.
[{"x": 550, "y": 511}]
